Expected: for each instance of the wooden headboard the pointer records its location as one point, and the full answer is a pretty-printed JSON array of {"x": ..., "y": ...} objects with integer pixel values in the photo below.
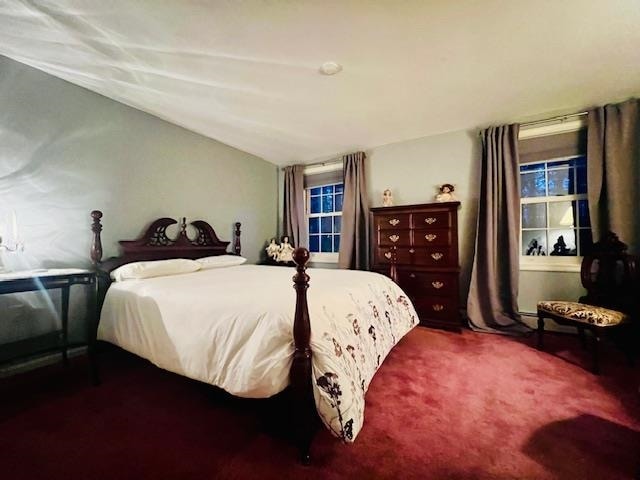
[{"x": 154, "y": 244}]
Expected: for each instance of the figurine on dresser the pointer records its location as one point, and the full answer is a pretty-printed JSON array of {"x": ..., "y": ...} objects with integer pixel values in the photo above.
[
  {"x": 387, "y": 198},
  {"x": 446, "y": 193}
]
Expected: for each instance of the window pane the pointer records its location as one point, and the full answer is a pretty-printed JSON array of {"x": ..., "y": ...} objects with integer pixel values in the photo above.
[
  {"x": 561, "y": 214},
  {"x": 337, "y": 223},
  {"x": 314, "y": 225},
  {"x": 339, "y": 188},
  {"x": 534, "y": 215},
  {"x": 562, "y": 242},
  {"x": 327, "y": 190},
  {"x": 326, "y": 243},
  {"x": 336, "y": 243},
  {"x": 314, "y": 243},
  {"x": 327, "y": 203},
  {"x": 560, "y": 181},
  {"x": 339, "y": 203},
  {"x": 534, "y": 242},
  {"x": 315, "y": 204},
  {"x": 586, "y": 241},
  {"x": 326, "y": 224},
  {"x": 315, "y": 191},
  {"x": 560, "y": 163},
  {"x": 583, "y": 213},
  {"x": 532, "y": 167},
  {"x": 532, "y": 184},
  {"x": 580, "y": 161},
  {"x": 581, "y": 173}
]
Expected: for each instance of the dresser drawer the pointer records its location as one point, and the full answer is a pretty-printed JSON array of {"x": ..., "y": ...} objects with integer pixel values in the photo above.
[
  {"x": 444, "y": 256},
  {"x": 431, "y": 220},
  {"x": 429, "y": 283},
  {"x": 432, "y": 237},
  {"x": 403, "y": 256},
  {"x": 439, "y": 308},
  {"x": 392, "y": 222},
  {"x": 389, "y": 238}
]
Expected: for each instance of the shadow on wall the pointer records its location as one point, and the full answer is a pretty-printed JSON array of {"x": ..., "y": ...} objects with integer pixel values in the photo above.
[{"x": 562, "y": 446}]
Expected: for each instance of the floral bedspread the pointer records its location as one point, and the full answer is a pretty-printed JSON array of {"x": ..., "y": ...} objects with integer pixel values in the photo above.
[{"x": 347, "y": 354}]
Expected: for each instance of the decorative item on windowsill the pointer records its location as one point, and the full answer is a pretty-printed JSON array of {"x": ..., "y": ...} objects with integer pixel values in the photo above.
[
  {"x": 446, "y": 193},
  {"x": 280, "y": 254},
  {"x": 387, "y": 198}
]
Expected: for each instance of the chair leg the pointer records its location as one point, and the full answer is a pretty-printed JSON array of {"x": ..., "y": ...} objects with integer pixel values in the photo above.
[
  {"x": 583, "y": 340},
  {"x": 540, "y": 331},
  {"x": 596, "y": 352}
]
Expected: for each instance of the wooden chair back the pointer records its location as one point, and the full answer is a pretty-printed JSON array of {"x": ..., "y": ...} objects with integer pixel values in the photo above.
[{"x": 610, "y": 276}]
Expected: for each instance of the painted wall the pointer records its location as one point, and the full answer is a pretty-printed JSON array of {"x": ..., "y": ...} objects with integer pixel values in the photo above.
[{"x": 65, "y": 151}]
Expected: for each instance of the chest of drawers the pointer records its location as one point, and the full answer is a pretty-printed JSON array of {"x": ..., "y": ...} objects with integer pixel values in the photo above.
[{"x": 421, "y": 242}]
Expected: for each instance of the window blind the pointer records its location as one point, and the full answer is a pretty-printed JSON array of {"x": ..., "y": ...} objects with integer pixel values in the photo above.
[
  {"x": 323, "y": 178},
  {"x": 566, "y": 144}
]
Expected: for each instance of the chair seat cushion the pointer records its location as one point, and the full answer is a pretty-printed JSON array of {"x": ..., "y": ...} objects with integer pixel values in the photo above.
[{"x": 583, "y": 313}]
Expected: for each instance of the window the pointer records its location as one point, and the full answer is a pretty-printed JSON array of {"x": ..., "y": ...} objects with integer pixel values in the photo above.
[
  {"x": 554, "y": 211},
  {"x": 324, "y": 214}
]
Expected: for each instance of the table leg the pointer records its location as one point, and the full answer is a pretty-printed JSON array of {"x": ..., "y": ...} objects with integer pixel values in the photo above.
[
  {"x": 65, "y": 324},
  {"x": 92, "y": 331}
]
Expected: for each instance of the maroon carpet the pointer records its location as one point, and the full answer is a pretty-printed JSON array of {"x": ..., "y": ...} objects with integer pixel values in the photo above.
[{"x": 443, "y": 405}]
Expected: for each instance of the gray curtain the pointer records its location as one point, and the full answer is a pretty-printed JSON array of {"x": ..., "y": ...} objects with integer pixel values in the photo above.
[
  {"x": 493, "y": 294},
  {"x": 354, "y": 238},
  {"x": 613, "y": 171},
  {"x": 294, "y": 221}
]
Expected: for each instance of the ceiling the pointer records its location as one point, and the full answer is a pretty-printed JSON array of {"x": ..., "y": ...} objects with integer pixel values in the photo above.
[{"x": 246, "y": 72}]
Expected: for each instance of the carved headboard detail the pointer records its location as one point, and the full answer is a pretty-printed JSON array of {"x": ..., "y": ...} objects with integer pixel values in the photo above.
[{"x": 155, "y": 244}]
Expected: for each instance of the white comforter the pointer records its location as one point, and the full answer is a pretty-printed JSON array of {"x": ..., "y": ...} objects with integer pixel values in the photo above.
[{"x": 232, "y": 327}]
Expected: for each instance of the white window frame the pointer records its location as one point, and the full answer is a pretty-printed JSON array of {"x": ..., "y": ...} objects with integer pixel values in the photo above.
[
  {"x": 320, "y": 257},
  {"x": 549, "y": 263}
]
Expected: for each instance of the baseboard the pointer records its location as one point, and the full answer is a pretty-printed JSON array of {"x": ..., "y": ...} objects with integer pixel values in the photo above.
[{"x": 24, "y": 365}]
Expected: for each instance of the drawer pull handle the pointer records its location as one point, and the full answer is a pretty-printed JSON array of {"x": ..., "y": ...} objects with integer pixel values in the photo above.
[
  {"x": 437, "y": 307},
  {"x": 430, "y": 237},
  {"x": 411, "y": 250},
  {"x": 437, "y": 285},
  {"x": 394, "y": 221},
  {"x": 413, "y": 275},
  {"x": 388, "y": 255},
  {"x": 437, "y": 256},
  {"x": 394, "y": 238},
  {"x": 430, "y": 220}
]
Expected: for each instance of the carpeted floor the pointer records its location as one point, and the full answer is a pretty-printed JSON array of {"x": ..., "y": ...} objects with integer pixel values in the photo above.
[{"x": 443, "y": 405}]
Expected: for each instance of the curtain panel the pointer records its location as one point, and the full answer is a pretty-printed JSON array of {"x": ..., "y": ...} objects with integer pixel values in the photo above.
[
  {"x": 613, "y": 171},
  {"x": 493, "y": 294},
  {"x": 295, "y": 226},
  {"x": 354, "y": 238}
]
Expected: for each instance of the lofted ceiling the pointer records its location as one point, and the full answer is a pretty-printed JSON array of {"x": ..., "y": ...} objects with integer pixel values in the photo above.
[{"x": 246, "y": 72}]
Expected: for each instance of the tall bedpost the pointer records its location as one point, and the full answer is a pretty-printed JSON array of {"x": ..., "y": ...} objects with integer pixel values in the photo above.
[
  {"x": 96, "y": 243},
  {"x": 300, "y": 376},
  {"x": 236, "y": 239}
]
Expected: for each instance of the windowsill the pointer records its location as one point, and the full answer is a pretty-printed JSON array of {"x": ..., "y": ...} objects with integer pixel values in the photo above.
[
  {"x": 317, "y": 257},
  {"x": 550, "y": 267}
]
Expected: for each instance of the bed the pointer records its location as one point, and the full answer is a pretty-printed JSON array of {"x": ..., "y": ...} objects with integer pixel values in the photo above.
[{"x": 238, "y": 328}]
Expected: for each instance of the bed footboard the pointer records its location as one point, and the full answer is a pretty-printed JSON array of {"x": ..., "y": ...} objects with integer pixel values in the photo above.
[{"x": 304, "y": 409}]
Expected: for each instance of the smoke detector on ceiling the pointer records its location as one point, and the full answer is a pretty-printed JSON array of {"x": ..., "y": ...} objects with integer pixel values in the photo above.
[{"x": 330, "y": 68}]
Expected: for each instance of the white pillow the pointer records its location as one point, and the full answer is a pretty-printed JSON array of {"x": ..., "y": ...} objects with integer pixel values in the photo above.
[
  {"x": 157, "y": 268},
  {"x": 220, "y": 261}
]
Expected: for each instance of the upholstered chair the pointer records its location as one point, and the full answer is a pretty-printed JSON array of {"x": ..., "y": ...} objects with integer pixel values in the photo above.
[{"x": 610, "y": 277}]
